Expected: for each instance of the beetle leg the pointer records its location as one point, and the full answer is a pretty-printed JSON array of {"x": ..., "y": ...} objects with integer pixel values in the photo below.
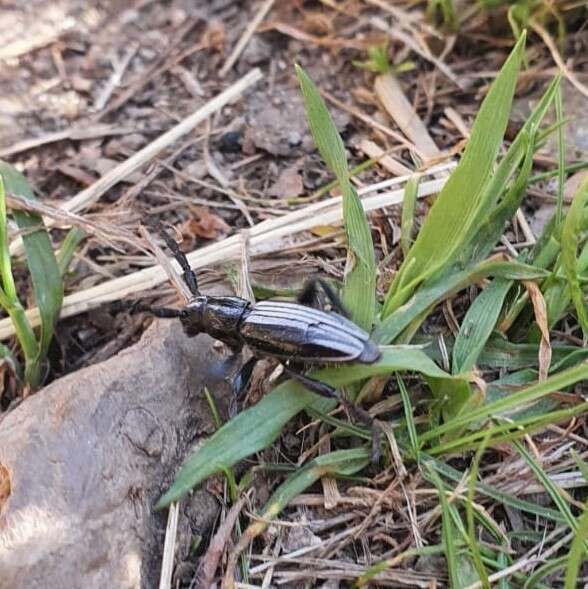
[
  {"x": 356, "y": 412},
  {"x": 162, "y": 312},
  {"x": 240, "y": 381},
  {"x": 188, "y": 275},
  {"x": 308, "y": 295}
]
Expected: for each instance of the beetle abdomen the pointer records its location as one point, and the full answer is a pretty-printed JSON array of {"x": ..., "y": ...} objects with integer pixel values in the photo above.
[{"x": 290, "y": 330}]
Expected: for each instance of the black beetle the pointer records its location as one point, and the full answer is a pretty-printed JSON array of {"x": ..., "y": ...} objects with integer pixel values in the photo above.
[{"x": 297, "y": 334}]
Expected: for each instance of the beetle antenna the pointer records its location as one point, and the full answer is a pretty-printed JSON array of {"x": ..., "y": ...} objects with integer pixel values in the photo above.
[
  {"x": 188, "y": 275},
  {"x": 162, "y": 312}
]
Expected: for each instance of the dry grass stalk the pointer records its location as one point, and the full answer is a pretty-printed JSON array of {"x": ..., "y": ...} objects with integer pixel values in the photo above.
[
  {"x": 263, "y": 237},
  {"x": 247, "y": 34}
]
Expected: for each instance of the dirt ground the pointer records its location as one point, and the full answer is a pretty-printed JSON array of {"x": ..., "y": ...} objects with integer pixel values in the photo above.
[{"x": 85, "y": 85}]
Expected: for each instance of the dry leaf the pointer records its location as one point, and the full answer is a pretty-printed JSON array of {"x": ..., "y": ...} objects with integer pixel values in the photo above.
[
  {"x": 540, "y": 311},
  {"x": 205, "y": 224},
  {"x": 288, "y": 184}
]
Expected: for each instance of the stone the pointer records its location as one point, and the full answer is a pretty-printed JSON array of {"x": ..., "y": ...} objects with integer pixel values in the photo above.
[{"x": 83, "y": 461}]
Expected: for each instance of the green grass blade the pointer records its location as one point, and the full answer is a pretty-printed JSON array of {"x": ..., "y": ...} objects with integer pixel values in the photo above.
[
  {"x": 551, "y": 489},
  {"x": 540, "y": 389},
  {"x": 476, "y": 554},
  {"x": 478, "y": 324},
  {"x": 360, "y": 272},
  {"x": 338, "y": 463},
  {"x": 8, "y": 285},
  {"x": 561, "y": 157},
  {"x": 41, "y": 260},
  {"x": 257, "y": 427},
  {"x": 483, "y": 236},
  {"x": 457, "y": 208},
  {"x": 68, "y": 248},
  {"x": 410, "y": 424},
  {"x": 547, "y": 569},
  {"x": 408, "y": 208},
  {"x": 570, "y": 236},
  {"x": 448, "y": 531},
  {"x": 576, "y": 554}
]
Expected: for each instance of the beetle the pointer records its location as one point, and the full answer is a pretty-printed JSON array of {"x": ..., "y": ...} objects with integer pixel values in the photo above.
[{"x": 296, "y": 333}]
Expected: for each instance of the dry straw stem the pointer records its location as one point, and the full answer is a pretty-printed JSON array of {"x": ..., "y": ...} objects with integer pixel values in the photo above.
[
  {"x": 263, "y": 238},
  {"x": 93, "y": 193},
  {"x": 72, "y": 133}
]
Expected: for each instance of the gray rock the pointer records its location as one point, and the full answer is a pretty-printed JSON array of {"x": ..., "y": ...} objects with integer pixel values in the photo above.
[{"x": 89, "y": 455}]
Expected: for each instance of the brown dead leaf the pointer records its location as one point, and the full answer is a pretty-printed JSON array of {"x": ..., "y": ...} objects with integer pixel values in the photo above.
[
  {"x": 540, "y": 311},
  {"x": 288, "y": 184},
  {"x": 215, "y": 37},
  {"x": 205, "y": 224}
]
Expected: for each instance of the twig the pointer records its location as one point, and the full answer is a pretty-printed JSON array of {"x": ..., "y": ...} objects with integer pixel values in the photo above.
[
  {"x": 119, "y": 67},
  {"x": 263, "y": 237},
  {"x": 72, "y": 133},
  {"x": 91, "y": 194},
  {"x": 247, "y": 34}
]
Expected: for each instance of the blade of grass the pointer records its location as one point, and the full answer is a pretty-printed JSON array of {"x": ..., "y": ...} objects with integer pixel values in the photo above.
[
  {"x": 410, "y": 424},
  {"x": 360, "y": 272},
  {"x": 68, "y": 248},
  {"x": 570, "y": 235},
  {"x": 457, "y": 207},
  {"x": 447, "y": 530},
  {"x": 561, "y": 157},
  {"x": 11, "y": 303},
  {"x": 474, "y": 547},
  {"x": 485, "y": 234},
  {"x": 576, "y": 554},
  {"x": 549, "y": 568},
  {"x": 478, "y": 325},
  {"x": 408, "y": 208},
  {"x": 540, "y": 389}
]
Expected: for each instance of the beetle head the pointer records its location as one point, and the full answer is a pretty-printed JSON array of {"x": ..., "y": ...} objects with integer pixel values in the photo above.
[{"x": 192, "y": 316}]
